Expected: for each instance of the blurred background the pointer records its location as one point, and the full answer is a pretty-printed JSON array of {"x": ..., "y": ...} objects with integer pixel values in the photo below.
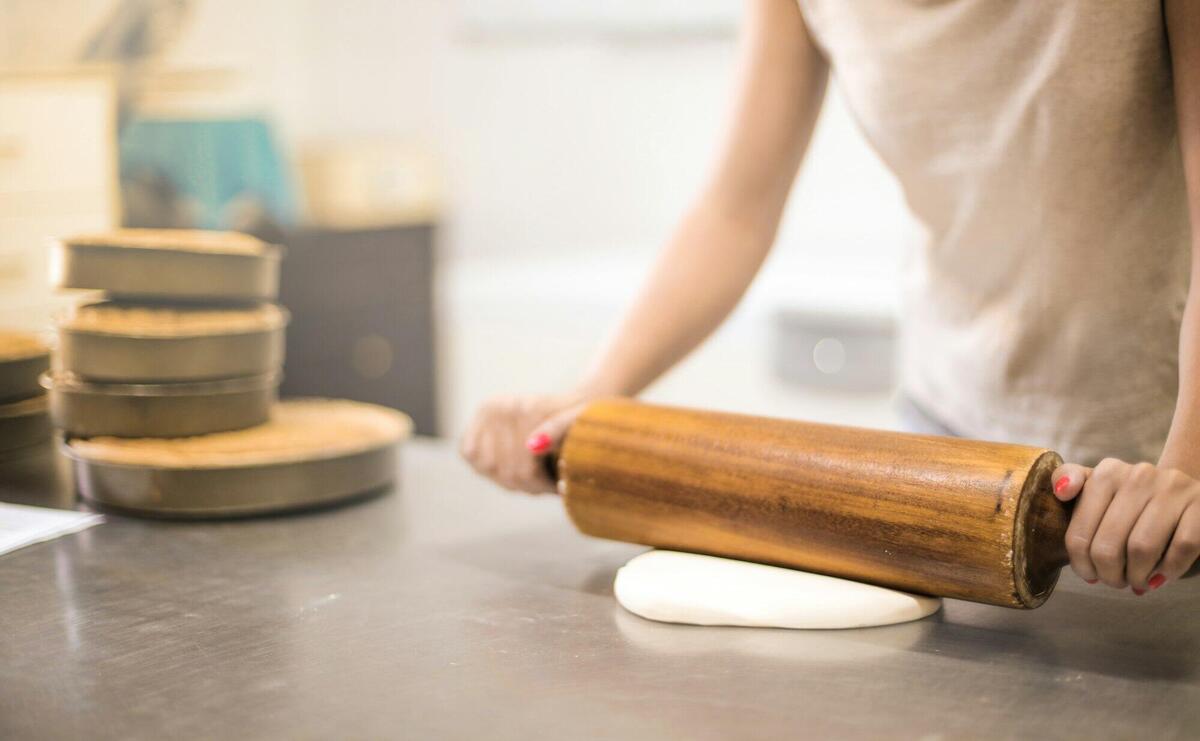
[{"x": 469, "y": 190}]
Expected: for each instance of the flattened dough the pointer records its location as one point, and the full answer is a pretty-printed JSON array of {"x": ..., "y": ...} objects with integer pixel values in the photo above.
[{"x": 674, "y": 587}]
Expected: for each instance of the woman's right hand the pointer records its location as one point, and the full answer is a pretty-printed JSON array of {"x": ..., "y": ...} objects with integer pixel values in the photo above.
[{"x": 511, "y": 434}]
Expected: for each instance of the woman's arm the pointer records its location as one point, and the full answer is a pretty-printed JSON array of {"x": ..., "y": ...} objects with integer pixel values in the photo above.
[
  {"x": 708, "y": 263},
  {"x": 1138, "y": 525},
  {"x": 724, "y": 238},
  {"x": 1182, "y": 450}
]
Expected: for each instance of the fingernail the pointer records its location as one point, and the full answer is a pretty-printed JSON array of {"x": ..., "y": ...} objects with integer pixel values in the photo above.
[
  {"x": 1062, "y": 483},
  {"x": 1091, "y": 581},
  {"x": 1156, "y": 581},
  {"x": 538, "y": 443},
  {"x": 1138, "y": 592}
]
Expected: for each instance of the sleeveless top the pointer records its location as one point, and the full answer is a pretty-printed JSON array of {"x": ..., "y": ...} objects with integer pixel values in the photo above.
[{"x": 1036, "y": 145}]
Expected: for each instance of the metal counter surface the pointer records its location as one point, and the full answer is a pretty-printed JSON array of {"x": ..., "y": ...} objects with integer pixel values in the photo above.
[{"x": 450, "y": 610}]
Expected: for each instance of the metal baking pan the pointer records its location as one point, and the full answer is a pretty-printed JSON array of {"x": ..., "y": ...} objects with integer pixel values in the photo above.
[
  {"x": 24, "y": 423},
  {"x": 233, "y": 491},
  {"x": 84, "y": 409},
  {"x": 19, "y": 376},
  {"x": 141, "y": 358},
  {"x": 168, "y": 273}
]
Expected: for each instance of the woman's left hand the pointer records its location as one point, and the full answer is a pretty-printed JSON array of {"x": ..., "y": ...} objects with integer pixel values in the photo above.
[{"x": 1134, "y": 525}]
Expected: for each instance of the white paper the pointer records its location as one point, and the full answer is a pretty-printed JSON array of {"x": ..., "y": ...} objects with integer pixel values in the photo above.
[{"x": 22, "y": 525}]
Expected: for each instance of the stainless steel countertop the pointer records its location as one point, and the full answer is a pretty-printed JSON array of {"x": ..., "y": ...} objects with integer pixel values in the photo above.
[{"x": 450, "y": 610}]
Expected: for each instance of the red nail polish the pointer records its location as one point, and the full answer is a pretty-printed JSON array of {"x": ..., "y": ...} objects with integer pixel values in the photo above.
[
  {"x": 1156, "y": 581},
  {"x": 1138, "y": 592},
  {"x": 1091, "y": 581},
  {"x": 538, "y": 443},
  {"x": 1062, "y": 483}
]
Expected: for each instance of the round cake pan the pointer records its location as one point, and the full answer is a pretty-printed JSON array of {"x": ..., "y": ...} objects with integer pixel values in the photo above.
[
  {"x": 234, "y": 491},
  {"x": 84, "y": 409},
  {"x": 133, "y": 358},
  {"x": 168, "y": 274},
  {"x": 19, "y": 376},
  {"x": 24, "y": 423}
]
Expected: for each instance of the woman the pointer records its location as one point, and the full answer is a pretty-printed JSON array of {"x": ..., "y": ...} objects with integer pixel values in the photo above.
[{"x": 1051, "y": 153}]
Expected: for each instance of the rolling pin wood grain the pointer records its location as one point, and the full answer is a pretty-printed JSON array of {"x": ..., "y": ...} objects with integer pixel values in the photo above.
[{"x": 942, "y": 516}]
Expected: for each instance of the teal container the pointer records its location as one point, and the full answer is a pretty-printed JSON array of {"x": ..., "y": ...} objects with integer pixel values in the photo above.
[{"x": 211, "y": 163}]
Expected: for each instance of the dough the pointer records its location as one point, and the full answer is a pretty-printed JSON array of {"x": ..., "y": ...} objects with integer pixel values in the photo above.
[
  {"x": 786, "y": 646},
  {"x": 688, "y": 588}
]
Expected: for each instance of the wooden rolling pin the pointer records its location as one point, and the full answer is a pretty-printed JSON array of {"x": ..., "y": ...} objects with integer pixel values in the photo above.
[{"x": 940, "y": 516}]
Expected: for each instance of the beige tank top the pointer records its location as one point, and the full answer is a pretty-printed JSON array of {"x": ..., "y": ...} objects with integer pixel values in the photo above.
[{"x": 1036, "y": 145}]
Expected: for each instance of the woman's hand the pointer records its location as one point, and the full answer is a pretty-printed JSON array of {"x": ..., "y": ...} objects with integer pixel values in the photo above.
[
  {"x": 1134, "y": 525},
  {"x": 509, "y": 435}
]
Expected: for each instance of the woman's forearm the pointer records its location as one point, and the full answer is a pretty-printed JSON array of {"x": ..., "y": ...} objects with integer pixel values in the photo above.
[
  {"x": 696, "y": 282},
  {"x": 720, "y": 245},
  {"x": 1182, "y": 450}
]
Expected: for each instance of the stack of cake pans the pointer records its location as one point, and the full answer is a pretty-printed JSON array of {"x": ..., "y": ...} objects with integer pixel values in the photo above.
[
  {"x": 166, "y": 389},
  {"x": 24, "y": 424},
  {"x": 186, "y": 342}
]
